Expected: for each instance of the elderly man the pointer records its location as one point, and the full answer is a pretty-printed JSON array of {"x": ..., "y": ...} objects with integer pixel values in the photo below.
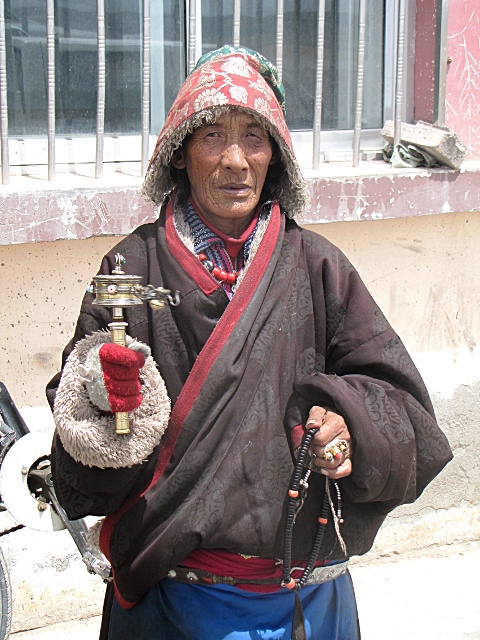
[{"x": 298, "y": 421}]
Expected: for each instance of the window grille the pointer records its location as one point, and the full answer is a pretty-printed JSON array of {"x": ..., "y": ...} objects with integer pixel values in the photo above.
[{"x": 107, "y": 71}]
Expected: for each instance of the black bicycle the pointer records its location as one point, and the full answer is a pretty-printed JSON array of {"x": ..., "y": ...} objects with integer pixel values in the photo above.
[{"x": 28, "y": 494}]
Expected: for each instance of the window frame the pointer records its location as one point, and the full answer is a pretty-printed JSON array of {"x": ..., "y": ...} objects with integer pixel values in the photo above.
[{"x": 29, "y": 153}]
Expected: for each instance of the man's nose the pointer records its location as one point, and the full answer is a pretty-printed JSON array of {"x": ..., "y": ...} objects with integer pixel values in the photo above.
[{"x": 234, "y": 158}]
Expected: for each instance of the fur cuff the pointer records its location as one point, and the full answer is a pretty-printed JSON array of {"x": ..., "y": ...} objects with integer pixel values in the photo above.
[
  {"x": 88, "y": 434},
  {"x": 91, "y": 375}
]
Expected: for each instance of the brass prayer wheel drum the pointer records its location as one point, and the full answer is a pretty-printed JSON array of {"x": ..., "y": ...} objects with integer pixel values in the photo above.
[{"x": 115, "y": 290}]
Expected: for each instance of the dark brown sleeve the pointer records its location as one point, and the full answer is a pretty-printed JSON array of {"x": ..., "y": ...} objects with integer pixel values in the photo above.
[
  {"x": 370, "y": 379},
  {"x": 91, "y": 491}
]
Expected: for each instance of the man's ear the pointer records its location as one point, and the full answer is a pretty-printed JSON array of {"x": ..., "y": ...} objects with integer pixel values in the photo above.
[{"x": 178, "y": 158}]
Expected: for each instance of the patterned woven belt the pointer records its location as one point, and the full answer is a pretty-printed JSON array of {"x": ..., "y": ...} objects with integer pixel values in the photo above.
[
  {"x": 196, "y": 576},
  {"x": 325, "y": 574}
]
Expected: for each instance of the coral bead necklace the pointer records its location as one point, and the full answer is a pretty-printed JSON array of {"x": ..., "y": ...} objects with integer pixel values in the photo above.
[{"x": 219, "y": 274}]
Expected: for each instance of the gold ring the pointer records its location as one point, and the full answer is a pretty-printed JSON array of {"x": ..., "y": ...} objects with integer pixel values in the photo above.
[{"x": 335, "y": 450}]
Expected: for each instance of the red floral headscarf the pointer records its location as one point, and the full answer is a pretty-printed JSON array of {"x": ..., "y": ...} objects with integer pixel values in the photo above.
[{"x": 225, "y": 79}]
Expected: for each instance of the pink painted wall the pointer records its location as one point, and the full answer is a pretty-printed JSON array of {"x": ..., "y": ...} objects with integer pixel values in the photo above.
[
  {"x": 425, "y": 42},
  {"x": 463, "y": 74}
]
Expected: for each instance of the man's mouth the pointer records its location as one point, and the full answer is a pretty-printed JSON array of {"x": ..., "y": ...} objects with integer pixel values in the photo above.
[{"x": 235, "y": 187}]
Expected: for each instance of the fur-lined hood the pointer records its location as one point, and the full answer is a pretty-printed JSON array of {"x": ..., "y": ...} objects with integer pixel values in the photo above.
[{"x": 229, "y": 78}]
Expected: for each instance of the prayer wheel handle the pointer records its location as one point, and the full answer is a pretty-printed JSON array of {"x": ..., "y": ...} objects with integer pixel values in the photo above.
[{"x": 117, "y": 291}]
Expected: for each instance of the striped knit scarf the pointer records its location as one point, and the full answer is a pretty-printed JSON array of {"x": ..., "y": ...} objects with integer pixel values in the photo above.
[{"x": 207, "y": 242}]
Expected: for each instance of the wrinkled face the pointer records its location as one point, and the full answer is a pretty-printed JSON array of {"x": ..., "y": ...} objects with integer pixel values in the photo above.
[{"x": 227, "y": 163}]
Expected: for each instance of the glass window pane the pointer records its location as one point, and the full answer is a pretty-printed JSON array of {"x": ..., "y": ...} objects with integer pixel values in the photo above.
[
  {"x": 123, "y": 66},
  {"x": 168, "y": 63},
  {"x": 341, "y": 59},
  {"x": 217, "y": 24},
  {"x": 76, "y": 67},
  {"x": 26, "y": 48},
  {"x": 76, "y": 64},
  {"x": 258, "y": 31}
]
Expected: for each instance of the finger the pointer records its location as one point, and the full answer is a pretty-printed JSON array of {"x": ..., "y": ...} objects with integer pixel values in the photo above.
[
  {"x": 334, "y": 450},
  {"x": 329, "y": 465},
  {"x": 316, "y": 417},
  {"x": 341, "y": 471},
  {"x": 333, "y": 427},
  {"x": 123, "y": 388},
  {"x": 120, "y": 372},
  {"x": 127, "y": 403},
  {"x": 118, "y": 355}
]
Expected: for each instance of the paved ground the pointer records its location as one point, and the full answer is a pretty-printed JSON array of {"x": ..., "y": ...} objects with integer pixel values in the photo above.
[
  {"x": 434, "y": 597},
  {"x": 423, "y": 598},
  {"x": 76, "y": 630}
]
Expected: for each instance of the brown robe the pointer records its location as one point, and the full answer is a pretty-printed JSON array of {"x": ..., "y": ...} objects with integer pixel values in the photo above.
[{"x": 301, "y": 330}]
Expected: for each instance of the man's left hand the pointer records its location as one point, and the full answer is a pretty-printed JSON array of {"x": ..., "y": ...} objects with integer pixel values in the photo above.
[{"x": 332, "y": 428}]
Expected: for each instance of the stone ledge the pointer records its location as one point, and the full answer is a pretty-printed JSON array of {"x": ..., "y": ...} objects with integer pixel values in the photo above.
[
  {"x": 34, "y": 211},
  {"x": 394, "y": 194}
]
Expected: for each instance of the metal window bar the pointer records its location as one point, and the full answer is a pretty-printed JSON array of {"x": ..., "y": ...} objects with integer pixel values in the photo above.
[
  {"x": 360, "y": 79},
  {"x": 51, "y": 88},
  {"x": 145, "y": 85},
  {"x": 237, "y": 9},
  {"x": 3, "y": 100},
  {"x": 100, "y": 89},
  {"x": 279, "y": 42},
  {"x": 192, "y": 35},
  {"x": 317, "y": 115},
  {"x": 399, "y": 75}
]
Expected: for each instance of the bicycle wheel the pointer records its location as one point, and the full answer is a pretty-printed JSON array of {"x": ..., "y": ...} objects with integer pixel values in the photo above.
[{"x": 5, "y": 599}]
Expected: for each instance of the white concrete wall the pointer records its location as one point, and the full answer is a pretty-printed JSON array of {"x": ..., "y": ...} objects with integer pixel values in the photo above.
[{"x": 423, "y": 271}]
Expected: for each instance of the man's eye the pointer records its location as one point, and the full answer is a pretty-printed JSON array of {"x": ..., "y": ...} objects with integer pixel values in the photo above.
[{"x": 256, "y": 135}]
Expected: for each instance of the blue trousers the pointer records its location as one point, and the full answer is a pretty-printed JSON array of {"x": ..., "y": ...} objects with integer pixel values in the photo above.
[{"x": 176, "y": 611}]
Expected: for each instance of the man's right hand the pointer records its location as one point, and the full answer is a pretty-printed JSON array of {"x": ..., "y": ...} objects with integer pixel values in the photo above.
[
  {"x": 112, "y": 376},
  {"x": 121, "y": 370}
]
